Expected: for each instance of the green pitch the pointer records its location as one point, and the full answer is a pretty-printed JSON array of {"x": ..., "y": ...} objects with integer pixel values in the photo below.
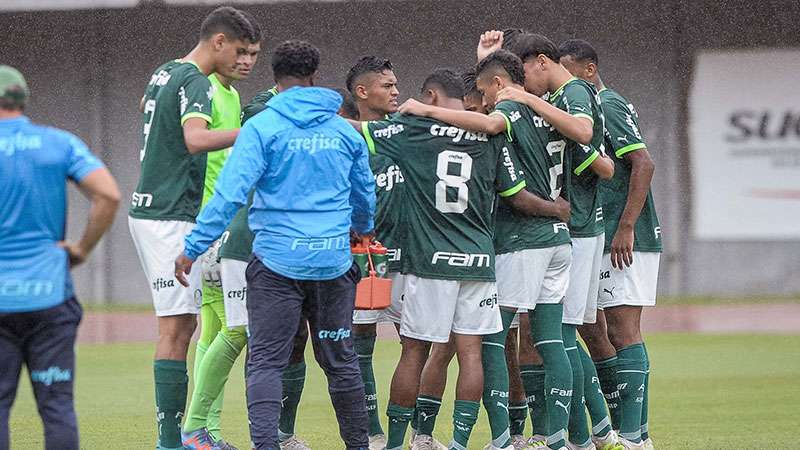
[{"x": 708, "y": 392}]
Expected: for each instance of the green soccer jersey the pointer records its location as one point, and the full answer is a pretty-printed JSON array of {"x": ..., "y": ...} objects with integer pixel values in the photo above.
[
  {"x": 237, "y": 241},
  {"x": 580, "y": 99},
  {"x": 390, "y": 188},
  {"x": 542, "y": 161},
  {"x": 452, "y": 177},
  {"x": 623, "y": 136},
  {"x": 172, "y": 179},
  {"x": 226, "y": 115}
]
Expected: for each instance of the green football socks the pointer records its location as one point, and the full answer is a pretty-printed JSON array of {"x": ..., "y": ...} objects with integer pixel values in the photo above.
[
  {"x": 595, "y": 402},
  {"x": 631, "y": 371},
  {"x": 517, "y": 415},
  {"x": 533, "y": 382},
  {"x": 465, "y": 414},
  {"x": 364, "y": 346},
  {"x": 399, "y": 417},
  {"x": 171, "y": 382},
  {"x": 607, "y": 374},
  {"x": 548, "y": 340},
  {"x": 294, "y": 380},
  {"x": 495, "y": 382},
  {"x": 578, "y": 422},
  {"x": 426, "y": 412},
  {"x": 644, "y": 427}
]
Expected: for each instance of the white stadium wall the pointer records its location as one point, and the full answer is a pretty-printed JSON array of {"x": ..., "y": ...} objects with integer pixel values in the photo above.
[{"x": 87, "y": 70}]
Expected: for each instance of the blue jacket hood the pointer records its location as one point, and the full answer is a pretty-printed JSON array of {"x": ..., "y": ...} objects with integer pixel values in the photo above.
[{"x": 306, "y": 107}]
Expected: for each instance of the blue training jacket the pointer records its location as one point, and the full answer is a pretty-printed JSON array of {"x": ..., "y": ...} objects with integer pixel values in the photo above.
[
  {"x": 312, "y": 183},
  {"x": 35, "y": 164}
]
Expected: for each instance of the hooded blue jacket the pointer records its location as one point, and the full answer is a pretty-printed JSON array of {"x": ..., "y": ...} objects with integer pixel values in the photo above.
[{"x": 312, "y": 183}]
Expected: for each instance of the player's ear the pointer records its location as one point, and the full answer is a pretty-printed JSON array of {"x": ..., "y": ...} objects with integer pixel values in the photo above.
[
  {"x": 433, "y": 96},
  {"x": 542, "y": 60},
  {"x": 591, "y": 69},
  {"x": 361, "y": 92},
  {"x": 218, "y": 40}
]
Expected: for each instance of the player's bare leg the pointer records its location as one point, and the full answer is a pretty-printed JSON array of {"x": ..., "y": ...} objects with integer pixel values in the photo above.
[
  {"x": 404, "y": 389},
  {"x": 469, "y": 387}
]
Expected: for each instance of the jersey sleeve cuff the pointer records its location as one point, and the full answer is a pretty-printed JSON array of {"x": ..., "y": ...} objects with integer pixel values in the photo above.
[
  {"x": 508, "y": 124},
  {"x": 368, "y": 137},
  {"x": 588, "y": 162},
  {"x": 199, "y": 115},
  {"x": 585, "y": 116},
  {"x": 630, "y": 148},
  {"x": 509, "y": 192}
]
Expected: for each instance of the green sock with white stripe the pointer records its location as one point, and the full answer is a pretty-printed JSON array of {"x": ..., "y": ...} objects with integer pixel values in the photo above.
[
  {"x": 631, "y": 371},
  {"x": 399, "y": 417},
  {"x": 517, "y": 415},
  {"x": 495, "y": 382},
  {"x": 549, "y": 342},
  {"x": 607, "y": 373},
  {"x": 364, "y": 345},
  {"x": 578, "y": 422},
  {"x": 426, "y": 411},
  {"x": 465, "y": 414},
  {"x": 595, "y": 402},
  {"x": 533, "y": 382},
  {"x": 294, "y": 379},
  {"x": 644, "y": 427}
]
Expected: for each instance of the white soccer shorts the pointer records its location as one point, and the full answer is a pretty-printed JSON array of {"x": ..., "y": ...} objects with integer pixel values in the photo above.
[
  {"x": 234, "y": 291},
  {"x": 528, "y": 277},
  {"x": 632, "y": 286},
  {"x": 580, "y": 303},
  {"x": 158, "y": 243}
]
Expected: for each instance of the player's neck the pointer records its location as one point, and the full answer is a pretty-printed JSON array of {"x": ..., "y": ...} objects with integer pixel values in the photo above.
[
  {"x": 559, "y": 78},
  {"x": 366, "y": 113},
  {"x": 202, "y": 57},
  {"x": 450, "y": 103},
  {"x": 10, "y": 114},
  {"x": 598, "y": 83},
  {"x": 290, "y": 82},
  {"x": 224, "y": 81}
]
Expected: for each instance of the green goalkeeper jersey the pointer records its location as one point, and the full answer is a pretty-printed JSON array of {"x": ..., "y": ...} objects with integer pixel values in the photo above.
[
  {"x": 172, "y": 180},
  {"x": 542, "y": 161},
  {"x": 452, "y": 179},
  {"x": 623, "y": 136},
  {"x": 225, "y": 115},
  {"x": 579, "y": 98}
]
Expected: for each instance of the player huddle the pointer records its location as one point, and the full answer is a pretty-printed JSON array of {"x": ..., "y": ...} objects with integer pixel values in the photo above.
[{"x": 513, "y": 198}]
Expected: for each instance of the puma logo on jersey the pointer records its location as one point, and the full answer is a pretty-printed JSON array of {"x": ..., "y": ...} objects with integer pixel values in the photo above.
[
  {"x": 197, "y": 106},
  {"x": 512, "y": 171},
  {"x": 458, "y": 134},
  {"x": 141, "y": 200},
  {"x": 623, "y": 139},
  {"x": 462, "y": 259},
  {"x": 388, "y": 179},
  {"x": 610, "y": 291},
  {"x": 389, "y": 131}
]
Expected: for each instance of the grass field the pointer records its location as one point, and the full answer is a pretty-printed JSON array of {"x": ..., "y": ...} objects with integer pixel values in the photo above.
[{"x": 708, "y": 392}]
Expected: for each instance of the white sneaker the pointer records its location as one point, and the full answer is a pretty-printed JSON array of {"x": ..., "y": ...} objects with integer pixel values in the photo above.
[
  {"x": 628, "y": 445},
  {"x": 608, "y": 442},
  {"x": 491, "y": 446},
  {"x": 423, "y": 442},
  {"x": 537, "y": 442},
  {"x": 519, "y": 442},
  {"x": 294, "y": 443},
  {"x": 648, "y": 444},
  {"x": 377, "y": 442},
  {"x": 572, "y": 446}
]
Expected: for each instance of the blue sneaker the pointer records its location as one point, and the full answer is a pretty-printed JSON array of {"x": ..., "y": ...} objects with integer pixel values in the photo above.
[
  {"x": 223, "y": 445},
  {"x": 198, "y": 440}
]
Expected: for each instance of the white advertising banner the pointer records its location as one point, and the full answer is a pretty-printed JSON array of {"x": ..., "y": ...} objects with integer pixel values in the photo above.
[{"x": 744, "y": 140}]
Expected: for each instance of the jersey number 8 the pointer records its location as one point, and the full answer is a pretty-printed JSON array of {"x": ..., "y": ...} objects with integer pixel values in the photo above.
[{"x": 459, "y": 182}]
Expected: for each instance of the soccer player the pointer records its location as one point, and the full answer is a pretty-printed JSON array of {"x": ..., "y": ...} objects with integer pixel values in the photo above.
[
  {"x": 177, "y": 114},
  {"x": 450, "y": 258},
  {"x": 373, "y": 85},
  {"x": 629, "y": 272},
  {"x": 39, "y": 314},
  {"x": 219, "y": 345},
  {"x": 302, "y": 262},
  {"x": 583, "y": 135}
]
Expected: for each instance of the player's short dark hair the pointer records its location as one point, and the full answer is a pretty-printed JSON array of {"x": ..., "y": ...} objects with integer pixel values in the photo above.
[
  {"x": 364, "y": 65},
  {"x": 531, "y": 45},
  {"x": 510, "y": 35},
  {"x": 348, "y": 104},
  {"x": 470, "y": 87},
  {"x": 235, "y": 24},
  {"x": 447, "y": 80},
  {"x": 579, "y": 49},
  {"x": 502, "y": 61},
  {"x": 294, "y": 58}
]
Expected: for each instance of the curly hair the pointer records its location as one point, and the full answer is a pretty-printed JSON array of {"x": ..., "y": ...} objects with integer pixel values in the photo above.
[
  {"x": 502, "y": 61},
  {"x": 294, "y": 58}
]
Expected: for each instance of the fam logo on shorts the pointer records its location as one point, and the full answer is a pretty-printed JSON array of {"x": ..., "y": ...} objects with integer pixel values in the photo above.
[
  {"x": 490, "y": 302},
  {"x": 334, "y": 335}
]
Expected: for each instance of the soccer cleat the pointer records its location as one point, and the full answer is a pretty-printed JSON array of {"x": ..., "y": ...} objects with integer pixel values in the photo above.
[
  {"x": 224, "y": 445},
  {"x": 628, "y": 445},
  {"x": 423, "y": 442},
  {"x": 491, "y": 446},
  {"x": 294, "y": 443},
  {"x": 537, "y": 442},
  {"x": 572, "y": 446},
  {"x": 608, "y": 442},
  {"x": 519, "y": 442},
  {"x": 648, "y": 444},
  {"x": 377, "y": 442},
  {"x": 198, "y": 440}
]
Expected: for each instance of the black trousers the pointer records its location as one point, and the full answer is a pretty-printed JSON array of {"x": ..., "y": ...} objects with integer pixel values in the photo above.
[
  {"x": 45, "y": 342},
  {"x": 275, "y": 305}
]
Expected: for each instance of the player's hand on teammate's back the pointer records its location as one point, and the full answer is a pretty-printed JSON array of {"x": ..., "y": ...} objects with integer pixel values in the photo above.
[
  {"x": 622, "y": 247},
  {"x": 413, "y": 107},
  {"x": 183, "y": 266},
  {"x": 564, "y": 209},
  {"x": 77, "y": 255},
  {"x": 512, "y": 94},
  {"x": 490, "y": 41}
]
